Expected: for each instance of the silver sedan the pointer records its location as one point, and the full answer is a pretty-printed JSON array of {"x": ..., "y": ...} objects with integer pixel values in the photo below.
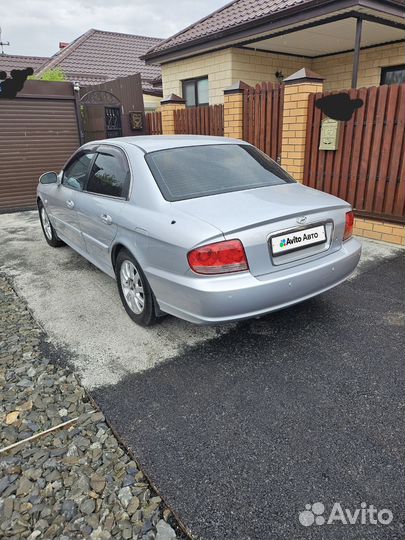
[{"x": 208, "y": 229}]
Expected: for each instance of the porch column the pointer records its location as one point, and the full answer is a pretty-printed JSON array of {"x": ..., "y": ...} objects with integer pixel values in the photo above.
[
  {"x": 356, "y": 57},
  {"x": 296, "y": 92},
  {"x": 168, "y": 106},
  {"x": 233, "y": 110}
]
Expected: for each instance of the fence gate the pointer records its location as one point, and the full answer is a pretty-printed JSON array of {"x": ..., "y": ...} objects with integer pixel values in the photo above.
[
  {"x": 206, "y": 120},
  {"x": 368, "y": 169},
  {"x": 101, "y": 115},
  {"x": 263, "y": 117}
]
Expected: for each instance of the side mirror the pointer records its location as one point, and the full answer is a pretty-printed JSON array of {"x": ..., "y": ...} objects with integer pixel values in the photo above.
[{"x": 49, "y": 178}]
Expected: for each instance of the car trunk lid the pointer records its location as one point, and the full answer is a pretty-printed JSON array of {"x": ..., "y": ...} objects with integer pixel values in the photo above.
[{"x": 253, "y": 216}]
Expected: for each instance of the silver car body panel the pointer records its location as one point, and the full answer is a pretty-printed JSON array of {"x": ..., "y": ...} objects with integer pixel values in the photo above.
[{"x": 160, "y": 233}]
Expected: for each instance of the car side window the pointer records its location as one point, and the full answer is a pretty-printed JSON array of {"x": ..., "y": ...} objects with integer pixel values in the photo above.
[
  {"x": 76, "y": 172},
  {"x": 109, "y": 174}
]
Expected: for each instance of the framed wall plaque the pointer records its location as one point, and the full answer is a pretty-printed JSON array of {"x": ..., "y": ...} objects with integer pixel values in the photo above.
[{"x": 136, "y": 120}]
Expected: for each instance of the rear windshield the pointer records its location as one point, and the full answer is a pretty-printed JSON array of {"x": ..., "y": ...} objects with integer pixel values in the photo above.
[{"x": 199, "y": 171}]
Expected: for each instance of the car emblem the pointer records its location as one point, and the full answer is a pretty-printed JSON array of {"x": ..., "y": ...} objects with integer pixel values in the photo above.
[{"x": 301, "y": 220}]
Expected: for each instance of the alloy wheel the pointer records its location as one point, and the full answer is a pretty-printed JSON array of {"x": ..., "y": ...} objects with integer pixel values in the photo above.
[
  {"x": 46, "y": 223},
  {"x": 132, "y": 287}
]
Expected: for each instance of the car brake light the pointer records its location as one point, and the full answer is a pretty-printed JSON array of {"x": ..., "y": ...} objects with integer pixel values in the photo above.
[
  {"x": 218, "y": 258},
  {"x": 349, "y": 225}
]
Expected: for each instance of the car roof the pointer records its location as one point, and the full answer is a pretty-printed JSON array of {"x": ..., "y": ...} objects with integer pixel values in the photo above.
[{"x": 151, "y": 143}]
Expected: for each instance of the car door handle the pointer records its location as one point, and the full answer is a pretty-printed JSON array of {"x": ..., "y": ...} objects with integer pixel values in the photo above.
[
  {"x": 70, "y": 203},
  {"x": 106, "y": 218}
]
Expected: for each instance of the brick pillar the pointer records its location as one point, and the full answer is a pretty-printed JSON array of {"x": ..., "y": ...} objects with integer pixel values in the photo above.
[
  {"x": 233, "y": 110},
  {"x": 296, "y": 92},
  {"x": 168, "y": 106}
]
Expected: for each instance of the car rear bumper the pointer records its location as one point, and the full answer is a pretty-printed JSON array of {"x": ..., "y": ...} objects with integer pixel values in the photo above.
[{"x": 222, "y": 299}]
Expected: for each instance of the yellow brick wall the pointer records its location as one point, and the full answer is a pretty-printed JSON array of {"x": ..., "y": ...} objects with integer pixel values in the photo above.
[
  {"x": 168, "y": 117},
  {"x": 337, "y": 69},
  {"x": 217, "y": 65},
  {"x": 151, "y": 103},
  {"x": 233, "y": 116},
  {"x": 230, "y": 65},
  {"x": 253, "y": 67},
  {"x": 294, "y": 127},
  {"x": 380, "y": 230},
  {"x": 226, "y": 67}
]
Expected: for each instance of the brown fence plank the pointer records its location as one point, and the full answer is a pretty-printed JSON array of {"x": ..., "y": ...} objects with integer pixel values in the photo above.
[
  {"x": 386, "y": 147},
  {"x": 251, "y": 122},
  {"x": 367, "y": 139},
  {"x": 357, "y": 146},
  {"x": 376, "y": 155},
  {"x": 262, "y": 127},
  {"x": 346, "y": 162},
  {"x": 308, "y": 139},
  {"x": 398, "y": 145},
  {"x": 277, "y": 121},
  {"x": 269, "y": 117},
  {"x": 399, "y": 207},
  {"x": 257, "y": 115},
  {"x": 280, "y": 106},
  {"x": 316, "y": 133}
]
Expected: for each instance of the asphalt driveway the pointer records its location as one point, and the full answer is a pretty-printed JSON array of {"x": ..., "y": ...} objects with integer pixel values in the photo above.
[{"x": 240, "y": 427}]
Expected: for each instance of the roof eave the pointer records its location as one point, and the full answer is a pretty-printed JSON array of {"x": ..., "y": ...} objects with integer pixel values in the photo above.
[
  {"x": 157, "y": 93},
  {"x": 293, "y": 15}
]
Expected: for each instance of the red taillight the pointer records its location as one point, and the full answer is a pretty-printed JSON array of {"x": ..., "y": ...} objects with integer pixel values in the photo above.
[
  {"x": 218, "y": 258},
  {"x": 349, "y": 225}
]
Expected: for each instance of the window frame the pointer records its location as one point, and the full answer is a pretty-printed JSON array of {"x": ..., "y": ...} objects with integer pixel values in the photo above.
[
  {"x": 195, "y": 80},
  {"x": 388, "y": 69},
  {"x": 76, "y": 156},
  {"x": 125, "y": 156}
]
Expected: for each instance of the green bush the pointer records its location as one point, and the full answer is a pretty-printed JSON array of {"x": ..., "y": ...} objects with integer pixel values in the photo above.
[{"x": 55, "y": 74}]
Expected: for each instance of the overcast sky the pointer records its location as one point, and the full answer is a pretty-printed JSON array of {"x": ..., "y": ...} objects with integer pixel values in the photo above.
[{"x": 35, "y": 27}]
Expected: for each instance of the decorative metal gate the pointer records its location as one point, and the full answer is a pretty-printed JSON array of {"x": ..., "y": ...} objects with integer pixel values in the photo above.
[
  {"x": 113, "y": 122},
  {"x": 101, "y": 115}
]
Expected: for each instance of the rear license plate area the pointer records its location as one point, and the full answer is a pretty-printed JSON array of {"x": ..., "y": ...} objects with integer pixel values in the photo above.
[{"x": 297, "y": 239}]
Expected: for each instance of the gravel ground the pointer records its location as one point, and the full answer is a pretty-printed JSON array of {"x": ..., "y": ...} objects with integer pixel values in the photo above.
[{"x": 77, "y": 481}]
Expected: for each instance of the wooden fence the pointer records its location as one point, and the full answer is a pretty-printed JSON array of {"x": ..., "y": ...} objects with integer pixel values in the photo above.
[
  {"x": 368, "y": 169},
  {"x": 263, "y": 117},
  {"x": 154, "y": 123},
  {"x": 206, "y": 120}
]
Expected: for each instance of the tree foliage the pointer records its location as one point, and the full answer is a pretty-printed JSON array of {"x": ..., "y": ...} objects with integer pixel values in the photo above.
[{"x": 55, "y": 75}]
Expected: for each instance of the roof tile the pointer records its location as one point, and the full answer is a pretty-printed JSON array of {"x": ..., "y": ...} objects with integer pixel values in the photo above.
[
  {"x": 229, "y": 16},
  {"x": 14, "y": 61},
  {"x": 98, "y": 56}
]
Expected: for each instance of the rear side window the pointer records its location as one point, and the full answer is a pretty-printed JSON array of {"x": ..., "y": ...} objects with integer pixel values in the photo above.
[
  {"x": 76, "y": 172},
  {"x": 110, "y": 174},
  {"x": 199, "y": 171}
]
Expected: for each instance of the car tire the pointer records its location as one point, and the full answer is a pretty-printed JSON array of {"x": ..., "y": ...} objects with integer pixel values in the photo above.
[
  {"x": 49, "y": 232},
  {"x": 134, "y": 290}
]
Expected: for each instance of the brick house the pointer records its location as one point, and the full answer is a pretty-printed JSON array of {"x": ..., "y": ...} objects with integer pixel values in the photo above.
[
  {"x": 254, "y": 70},
  {"x": 351, "y": 43}
]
